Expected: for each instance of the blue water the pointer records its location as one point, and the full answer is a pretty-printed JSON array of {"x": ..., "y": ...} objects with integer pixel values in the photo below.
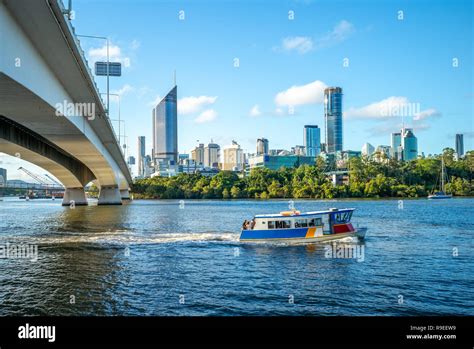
[{"x": 157, "y": 258}]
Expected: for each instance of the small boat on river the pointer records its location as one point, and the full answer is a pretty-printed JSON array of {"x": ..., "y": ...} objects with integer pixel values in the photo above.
[{"x": 296, "y": 227}]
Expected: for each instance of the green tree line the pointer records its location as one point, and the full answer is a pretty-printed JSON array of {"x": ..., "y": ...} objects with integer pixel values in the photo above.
[{"x": 367, "y": 179}]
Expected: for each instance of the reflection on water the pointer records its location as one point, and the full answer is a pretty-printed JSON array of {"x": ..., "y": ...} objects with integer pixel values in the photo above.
[{"x": 142, "y": 258}]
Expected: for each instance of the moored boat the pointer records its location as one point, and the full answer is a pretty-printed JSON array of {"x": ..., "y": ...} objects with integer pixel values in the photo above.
[
  {"x": 443, "y": 179},
  {"x": 296, "y": 227}
]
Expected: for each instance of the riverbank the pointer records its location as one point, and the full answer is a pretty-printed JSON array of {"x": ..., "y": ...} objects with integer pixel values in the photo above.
[{"x": 366, "y": 179}]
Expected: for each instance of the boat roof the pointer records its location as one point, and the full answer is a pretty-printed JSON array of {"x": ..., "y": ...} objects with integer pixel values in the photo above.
[{"x": 304, "y": 214}]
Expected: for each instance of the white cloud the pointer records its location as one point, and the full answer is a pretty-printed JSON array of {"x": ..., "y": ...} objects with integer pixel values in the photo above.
[
  {"x": 378, "y": 110},
  {"x": 425, "y": 114},
  {"x": 206, "y": 116},
  {"x": 115, "y": 55},
  {"x": 311, "y": 93},
  {"x": 190, "y": 105},
  {"x": 340, "y": 32},
  {"x": 301, "y": 44},
  {"x": 135, "y": 44},
  {"x": 123, "y": 90},
  {"x": 391, "y": 107},
  {"x": 255, "y": 111}
]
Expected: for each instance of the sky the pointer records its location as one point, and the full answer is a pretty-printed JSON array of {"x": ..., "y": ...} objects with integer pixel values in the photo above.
[{"x": 250, "y": 69}]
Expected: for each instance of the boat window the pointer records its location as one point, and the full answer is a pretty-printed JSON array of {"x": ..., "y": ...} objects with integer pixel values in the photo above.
[
  {"x": 343, "y": 217},
  {"x": 301, "y": 223},
  {"x": 271, "y": 224},
  {"x": 282, "y": 224},
  {"x": 315, "y": 222}
]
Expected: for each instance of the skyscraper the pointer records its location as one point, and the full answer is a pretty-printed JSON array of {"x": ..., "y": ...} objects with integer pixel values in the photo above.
[
  {"x": 197, "y": 154},
  {"x": 312, "y": 140},
  {"x": 165, "y": 129},
  {"x": 262, "y": 146},
  {"x": 409, "y": 145},
  {"x": 333, "y": 119},
  {"x": 211, "y": 155},
  {"x": 141, "y": 156},
  {"x": 396, "y": 144},
  {"x": 367, "y": 149},
  {"x": 233, "y": 157},
  {"x": 459, "y": 145}
]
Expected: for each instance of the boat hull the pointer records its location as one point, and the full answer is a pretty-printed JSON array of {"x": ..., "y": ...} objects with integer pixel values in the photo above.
[
  {"x": 299, "y": 238},
  {"x": 438, "y": 197}
]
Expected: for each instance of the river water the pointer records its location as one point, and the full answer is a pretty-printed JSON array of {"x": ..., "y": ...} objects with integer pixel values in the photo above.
[{"x": 184, "y": 258}]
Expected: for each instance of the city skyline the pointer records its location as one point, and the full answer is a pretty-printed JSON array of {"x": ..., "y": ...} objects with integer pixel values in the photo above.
[{"x": 264, "y": 82}]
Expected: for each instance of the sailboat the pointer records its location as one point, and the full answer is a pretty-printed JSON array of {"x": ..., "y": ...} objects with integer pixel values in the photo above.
[{"x": 442, "y": 193}]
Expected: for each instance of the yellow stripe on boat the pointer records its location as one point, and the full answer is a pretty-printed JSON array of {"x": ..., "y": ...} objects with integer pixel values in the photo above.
[{"x": 310, "y": 233}]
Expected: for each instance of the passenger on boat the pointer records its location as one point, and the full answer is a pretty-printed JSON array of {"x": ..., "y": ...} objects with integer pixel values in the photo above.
[
  {"x": 252, "y": 224},
  {"x": 244, "y": 225}
]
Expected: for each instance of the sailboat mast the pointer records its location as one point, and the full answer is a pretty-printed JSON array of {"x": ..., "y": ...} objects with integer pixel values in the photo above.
[{"x": 442, "y": 173}]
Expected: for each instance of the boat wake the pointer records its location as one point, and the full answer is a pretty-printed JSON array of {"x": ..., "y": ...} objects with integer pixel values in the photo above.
[{"x": 123, "y": 237}]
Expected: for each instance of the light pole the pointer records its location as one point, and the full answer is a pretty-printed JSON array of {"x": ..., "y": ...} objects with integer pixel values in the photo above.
[
  {"x": 108, "y": 62},
  {"x": 118, "y": 98}
]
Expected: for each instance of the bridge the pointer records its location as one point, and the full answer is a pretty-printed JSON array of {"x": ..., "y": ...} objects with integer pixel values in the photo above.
[{"x": 51, "y": 111}]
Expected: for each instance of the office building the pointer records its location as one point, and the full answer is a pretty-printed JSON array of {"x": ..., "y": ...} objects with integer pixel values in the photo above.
[
  {"x": 233, "y": 159},
  {"x": 312, "y": 140},
  {"x": 459, "y": 145},
  {"x": 141, "y": 156},
  {"x": 367, "y": 149},
  {"x": 262, "y": 146},
  {"x": 333, "y": 119},
  {"x": 275, "y": 162},
  {"x": 165, "y": 130},
  {"x": 409, "y": 145},
  {"x": 211, "y": 155},
  {"x": 197, "y": 154},
  {"x": 3, "y": 177}
]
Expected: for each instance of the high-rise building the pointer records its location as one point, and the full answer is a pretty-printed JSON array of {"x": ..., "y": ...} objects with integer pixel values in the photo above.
[
  {"x": 396, "y": 144},
  {"x": 333, "y": 119},
  {"x": 459, "y": 145},
  {"x": 165, "y": 129},
  {"x": 211, "y": 155},
  {"x": 312, "y": 140},
  {"x": 197, "y": 154},
  {"x": 299, "y": 150},
  {"x": 141, "y": 156},
  {"x": 262, "y": 146},
  {"x": 409, "y": 145},
  {"x": 367, "y": 149},
  {"x": 233, "y": 157},
  {"x": 3, "y": 177}
]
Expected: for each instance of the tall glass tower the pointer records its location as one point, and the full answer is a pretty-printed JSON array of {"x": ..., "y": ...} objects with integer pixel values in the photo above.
[
  {"x": 459, "y": 145},
  {"x": 333, "y": 118},
  {"x": 165, "y": 129},
  {"x": 312, "y": 140},
  {"x": 141, "y": 156}
]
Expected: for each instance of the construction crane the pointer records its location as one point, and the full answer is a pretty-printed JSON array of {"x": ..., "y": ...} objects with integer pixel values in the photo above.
[
  {"x": 34, "y": 176},
  {"x": 53, "y": 180}
]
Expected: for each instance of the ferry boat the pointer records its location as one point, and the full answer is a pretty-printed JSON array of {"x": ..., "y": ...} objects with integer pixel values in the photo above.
[{"x": 296, "y": 227}]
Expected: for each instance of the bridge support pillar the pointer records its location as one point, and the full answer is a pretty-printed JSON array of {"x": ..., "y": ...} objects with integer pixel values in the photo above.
[
  {"x": 76, "y": 195},
  {"x": 110, "y": 195},
  {"x": 125, "y": 194}
]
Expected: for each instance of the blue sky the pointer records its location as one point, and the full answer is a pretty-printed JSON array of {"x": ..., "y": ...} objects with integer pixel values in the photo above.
[{"x": 285, "y": 63}]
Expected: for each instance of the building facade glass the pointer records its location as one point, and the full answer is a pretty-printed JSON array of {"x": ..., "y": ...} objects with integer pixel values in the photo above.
[
  {"x": 312, "y": 140},
  {"x": 333, "y": 119},
  {"x": 459, "y": 145},
  {"x": 165, "y": 129}
]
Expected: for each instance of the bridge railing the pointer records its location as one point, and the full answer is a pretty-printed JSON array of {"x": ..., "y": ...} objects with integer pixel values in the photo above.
[{"x": 89, "y": 71}]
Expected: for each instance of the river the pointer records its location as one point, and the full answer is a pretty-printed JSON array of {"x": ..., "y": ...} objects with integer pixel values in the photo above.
[{"x": 184, "y": 258}]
